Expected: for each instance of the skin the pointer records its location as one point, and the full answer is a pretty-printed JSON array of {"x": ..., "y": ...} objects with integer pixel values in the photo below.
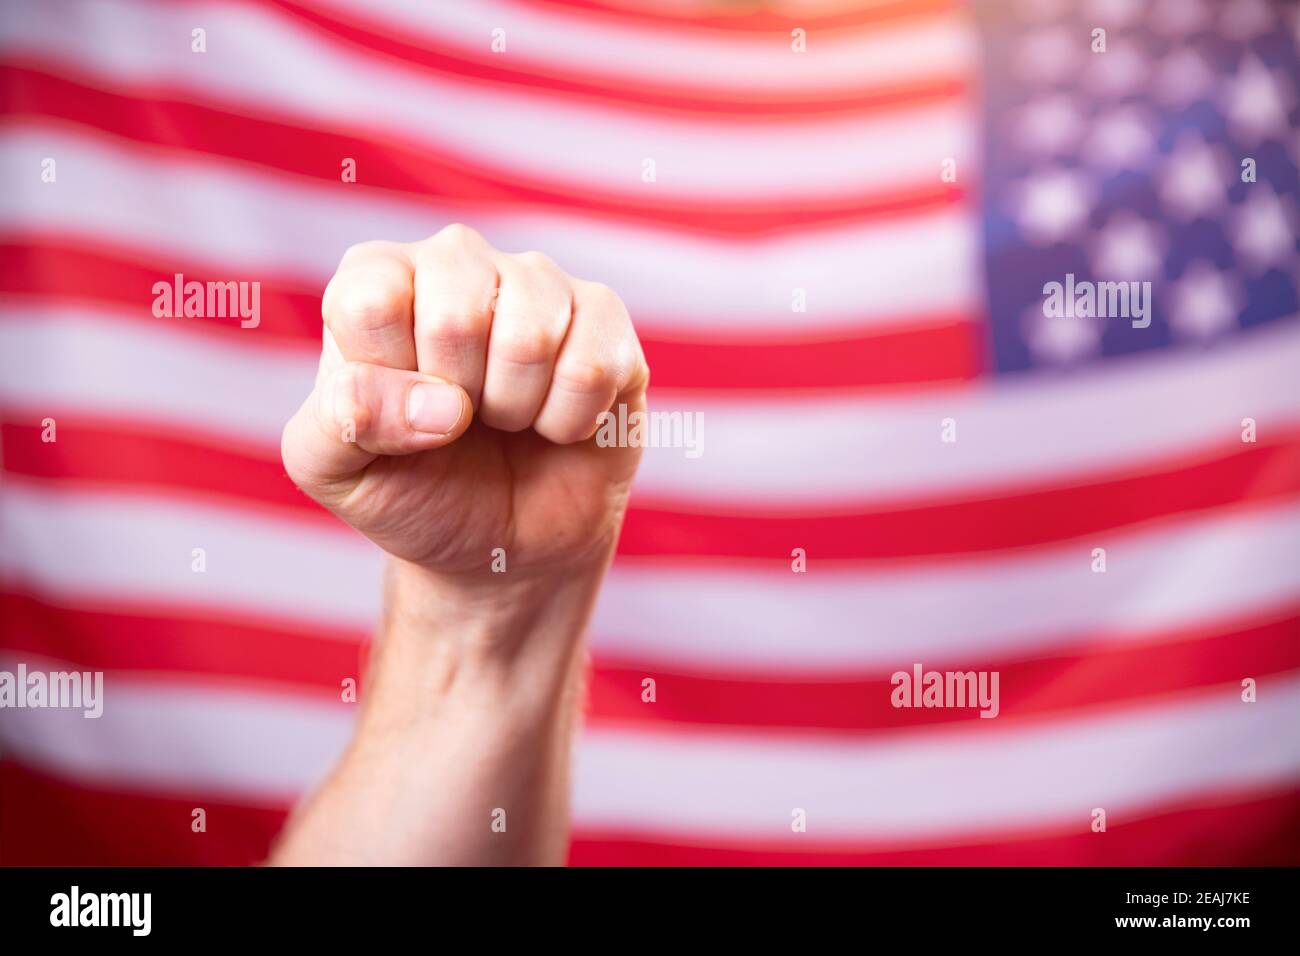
[{"x": 453, "y": 414}]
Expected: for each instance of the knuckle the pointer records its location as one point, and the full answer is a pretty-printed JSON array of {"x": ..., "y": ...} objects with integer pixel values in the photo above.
[
  {"x": 504, "y": 418},
  {"x": 459, "y": 235},
  {"x": 522, "y": 342},
  {"x": 568, "y": 430},
  {"x": 540, "y": 261},
  {"x": 368, "y": 249},
  {"x": 458, "y": 326},
  {"x": 603, "y": 298},
  {"x": 367, "y": 302},
  {"x": 633, "y": 370},
  {"x": 585, "y": 378}
]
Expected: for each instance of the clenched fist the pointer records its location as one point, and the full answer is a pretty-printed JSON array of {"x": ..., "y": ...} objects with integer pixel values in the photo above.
[{"x": 458, "y": 391}]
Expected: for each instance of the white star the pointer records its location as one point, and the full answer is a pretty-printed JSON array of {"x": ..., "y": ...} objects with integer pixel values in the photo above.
[
  {"x": 1129, "y": 248},
  {"x": 1261, "y": 231},
  {"x": 1177, "y": 17},
  {"x": 1118, "y": 71},
  {"x": 1204, "y": 302},
  {"x": 1243, "y": 20},
  {"x": 1184, "y": 78},
  {"x": 1051, "y": 55},
  {"x": 1118, "y": 13},
  {"x": 1255, "y": 102},
  {"x": 1049, "y": 125},
  {"x": 1058, "y": 338},
  {"x": 1193, "y": 178},
  {"x": 1052, "y": 206},
  {"x": 1120, "y": 139}
]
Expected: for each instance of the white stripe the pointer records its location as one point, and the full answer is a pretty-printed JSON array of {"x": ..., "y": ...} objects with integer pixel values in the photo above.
[
  {"x": 975, "y": 779},
  {"x": 259, "y": 60},
  {"x": 937, "y": 783},
  {"x": 120, "y": 194},
  {"x": 120, "y": 547},
  {"x": 110, "y": 364},
  {"x": 164, "y": 736},
  {"x": 104, "y": 547},
  {"x": 576, "y": 43},
  {"x": 842, "y": 617},
  {"x": 1014, "y": 431},
  {"x": 842, "y": 452}
]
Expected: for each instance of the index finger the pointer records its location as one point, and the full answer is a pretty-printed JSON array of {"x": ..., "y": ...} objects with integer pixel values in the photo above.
[{"x": 367, "y": 305}]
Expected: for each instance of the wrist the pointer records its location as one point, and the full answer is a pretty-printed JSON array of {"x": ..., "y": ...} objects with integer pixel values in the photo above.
[{"x": 500, "y": 647}]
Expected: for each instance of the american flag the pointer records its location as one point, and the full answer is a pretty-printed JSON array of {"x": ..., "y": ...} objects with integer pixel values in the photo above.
[{"x": 833, "y": 224}]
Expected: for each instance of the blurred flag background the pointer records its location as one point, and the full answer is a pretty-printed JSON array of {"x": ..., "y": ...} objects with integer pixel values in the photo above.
[{"x": 828, "y": 253}]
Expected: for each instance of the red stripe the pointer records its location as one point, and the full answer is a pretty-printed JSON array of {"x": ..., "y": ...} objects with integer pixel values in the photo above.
[
  {"x": 373, "y": 35},
  {"x": 1087, "y": 674},
  {"x": 1035, "y": 515},
  {"x": 1246, "y": 830},
  {"x": 934, "y": 351},
  {"x": 1096, "y": 670},
  {"x": 213, "y": 642},
  {"x": 163, "y": 118},
  {"x": 77, "y": 269},
  {"x": 751, "y": 18},
  {"x": 133, "y": 458},
  {"x": 134, "y": 455},
  {"x": 875, "y": 357},
  {"x": 46, "y": 821}
]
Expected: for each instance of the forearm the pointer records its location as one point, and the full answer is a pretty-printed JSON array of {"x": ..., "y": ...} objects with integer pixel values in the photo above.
[{"x": 468, "y": 718}]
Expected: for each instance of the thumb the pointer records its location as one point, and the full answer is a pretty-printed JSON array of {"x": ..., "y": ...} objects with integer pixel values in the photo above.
[{"x": 358, "y": 412}]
